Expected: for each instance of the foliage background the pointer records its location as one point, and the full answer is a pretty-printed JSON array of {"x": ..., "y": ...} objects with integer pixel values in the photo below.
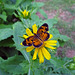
[{"x": 59, "y": 15}]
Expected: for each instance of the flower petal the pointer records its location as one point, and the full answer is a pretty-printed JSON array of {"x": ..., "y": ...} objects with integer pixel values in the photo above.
[
  {"x": 21, "y": 44},
  {"x": 35, "y": 54},
  {"x": 34, "y": 28},
  {"x": 29, "y": 33},
  {"x": 40, "y": 55},
  {"x": 25, "y": 36},
  {"x": 27, "y": 13},
  {"x": 52, "y": 44},
  {"x": 24, "y": 11},
  {"x": 28, "y": 49},
  {"x": 51, "y": 41},
  {"x": 50, "y": 36},
  {"x": 49, "y": 46},
  {"x": 46, "y": 53}
]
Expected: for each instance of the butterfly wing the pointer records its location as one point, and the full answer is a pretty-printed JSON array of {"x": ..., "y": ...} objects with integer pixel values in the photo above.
[
  {"x": 43, "y": 28},
  {"x": 28, "y": 41},
  {"x": 44, "y": 36},
  {"x": 42, "y": 32},
  {"x": 37, "y": 42},
  {"x": 32, "y": 40}
]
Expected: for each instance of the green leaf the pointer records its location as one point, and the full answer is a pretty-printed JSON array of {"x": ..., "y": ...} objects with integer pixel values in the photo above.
[
  {"x": 50, "y": 22},
  {"x": 64, "y": 38},
  {"x": 33, "y": 17},
  {"x": 57, "y": 62},
  {"x": 74, "y": 59},
  {"x": 38, "y": 72},
  {"x": 2, "y": 26},
  {"x": 18, "y": 30},
  {"x": 25, "y": 66},
  {"x": 43, "y": 13},
  {"x": 18, "y": 2},
  {"x": 3, "y": 72},
  {"x": 5, "y": 33},
  {"x": 61, "y": 43},
  {"x": 28, "y": 23},
  {"x": 8, "y": 6},
  {"x": 1, "y": 60},
  {"x": 25, "y": 4},
  {"x": 3, "y": 16},
  {"x": 37, "y": 4},
  {"x": 12, "y": 66}
]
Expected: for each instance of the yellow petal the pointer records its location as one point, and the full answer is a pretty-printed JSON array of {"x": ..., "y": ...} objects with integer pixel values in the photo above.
[
  {"x": 35, "y": 54},
  {"x": 48, "y": 31},
  {"x": 40, "y": 55},
  {"x": 25, "y": 36},
  {"x": 49, "y": 46},
  {"x": 28, "y": 49},
  {"x": 21, "y": 44},
  {"x": 50, "y": 36},
  {"x": 34, "y": 28},
  {"x": 52, "y": 44},
  {"x": 24, "y": 11},
  {"x": 29, "y": 33},
  {"x": 51, "y": 41},
  {"x": 46, "y": 53},
  {"x": 27, "y": 13}
]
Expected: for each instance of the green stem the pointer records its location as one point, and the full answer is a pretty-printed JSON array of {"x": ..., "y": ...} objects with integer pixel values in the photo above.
[{"x": 67, "y": 62}]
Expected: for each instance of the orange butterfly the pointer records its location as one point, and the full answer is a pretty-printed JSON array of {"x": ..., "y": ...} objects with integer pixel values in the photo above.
[{"x": 37, "y": 39}]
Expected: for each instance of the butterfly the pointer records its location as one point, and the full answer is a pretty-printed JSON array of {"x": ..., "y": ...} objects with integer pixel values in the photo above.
[{"x": 38, "y": 39}]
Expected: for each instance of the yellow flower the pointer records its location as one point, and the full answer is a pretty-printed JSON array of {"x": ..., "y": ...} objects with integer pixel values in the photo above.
[
  {"x": 25, "y": 13},
  {"x": 41, "y": 51}
]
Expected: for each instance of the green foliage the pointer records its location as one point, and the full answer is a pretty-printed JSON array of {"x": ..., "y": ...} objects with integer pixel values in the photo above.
[
  {"x": 2, "y": 26},
  {"x": 37, "y": 4},
  {"x": 5, "y": 33},
  {"x": 3, "y": 16},
  {"x": 56, "y": 61},
  {"x": 13, "y": 65},
  {"x": 43, "y": 13},
  {"x": 14, "y": 60},
  {"x": 50, "y": 22},
  {"x": 18, "y": 31}
]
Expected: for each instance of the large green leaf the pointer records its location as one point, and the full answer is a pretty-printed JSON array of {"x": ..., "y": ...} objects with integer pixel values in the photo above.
[
  {"x": 18, "y": 31},
  {"x": 12, "y": 65},
  {"x": 5, "y": 33}
]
